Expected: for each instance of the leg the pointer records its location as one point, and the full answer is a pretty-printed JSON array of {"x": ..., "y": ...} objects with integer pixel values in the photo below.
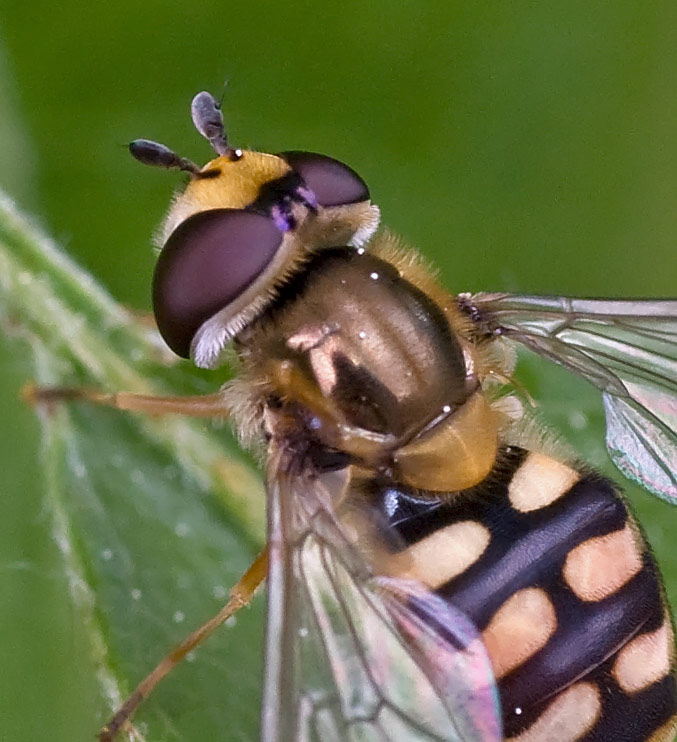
[
  {"x": 240, "y": 596},
  {"x": 206, "y": 405}
]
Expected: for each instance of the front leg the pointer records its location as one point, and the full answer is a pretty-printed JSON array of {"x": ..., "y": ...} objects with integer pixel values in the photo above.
[{"x": 202, "y": 405}]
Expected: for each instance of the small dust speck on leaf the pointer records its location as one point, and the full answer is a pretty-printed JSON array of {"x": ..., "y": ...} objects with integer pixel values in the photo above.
[
  {"x": 170, "y": 472},
  {"x": 184, "y": 581},
  {"x": 182, "y": 529},
  {"x": 137, "y": 477},
  {"x": 219, "y": 592},
  {"x": 578, "y": 420}
]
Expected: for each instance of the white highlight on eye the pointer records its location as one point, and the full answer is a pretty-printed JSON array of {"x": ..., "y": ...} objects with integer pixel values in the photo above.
[{"x": 178, "y": 617}]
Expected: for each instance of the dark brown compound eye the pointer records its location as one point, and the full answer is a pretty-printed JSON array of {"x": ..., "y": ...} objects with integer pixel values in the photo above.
[
  {"x": 207, "y": 262},
  {"x": 332, "y": 182}
]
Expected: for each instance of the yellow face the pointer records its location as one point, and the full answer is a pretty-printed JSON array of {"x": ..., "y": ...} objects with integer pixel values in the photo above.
[{"x": 234, "y": 185}]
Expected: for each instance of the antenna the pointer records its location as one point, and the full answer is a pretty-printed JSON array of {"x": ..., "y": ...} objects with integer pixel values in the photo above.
[
  {"x": 208, "y": 120},
  {"x": 158, "y": 155}
]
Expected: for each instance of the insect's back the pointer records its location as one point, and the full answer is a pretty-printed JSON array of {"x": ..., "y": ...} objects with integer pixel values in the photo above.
[
  {"x": 378, "y": 361},
  {"x": 376, "y": 346}
]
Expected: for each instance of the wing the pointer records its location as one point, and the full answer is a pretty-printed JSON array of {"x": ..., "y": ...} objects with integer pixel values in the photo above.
[
  {"x": 627, "y": 349},
  {"x": 350, "y": 656}
]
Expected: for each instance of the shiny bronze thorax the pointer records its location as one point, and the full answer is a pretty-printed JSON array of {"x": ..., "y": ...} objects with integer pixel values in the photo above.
[{"x": 378, "y": 366}]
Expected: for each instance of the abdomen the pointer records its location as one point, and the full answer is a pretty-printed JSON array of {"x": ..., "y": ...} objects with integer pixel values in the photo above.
[{"x": 553, "y": 570}]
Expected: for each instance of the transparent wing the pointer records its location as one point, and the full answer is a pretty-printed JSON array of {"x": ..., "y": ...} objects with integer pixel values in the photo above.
[
  {"x": 627, "y": 349},
  {"x": 351, "y": 656}
]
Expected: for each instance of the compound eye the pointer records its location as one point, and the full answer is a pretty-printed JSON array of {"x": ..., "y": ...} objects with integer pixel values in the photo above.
[
  {"x": 332, "y": 182},
  {"x": 208, "y": 262}
]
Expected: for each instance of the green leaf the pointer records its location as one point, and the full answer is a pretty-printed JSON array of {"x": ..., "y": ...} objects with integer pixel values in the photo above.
[{"x": 155, "y": 519}]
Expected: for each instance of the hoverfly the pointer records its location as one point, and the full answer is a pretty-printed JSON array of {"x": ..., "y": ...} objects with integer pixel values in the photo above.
[{"x": 436, "y": 570}]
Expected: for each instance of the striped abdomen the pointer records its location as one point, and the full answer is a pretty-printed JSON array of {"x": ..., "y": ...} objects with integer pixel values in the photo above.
[{"x": 553, "y": 570}]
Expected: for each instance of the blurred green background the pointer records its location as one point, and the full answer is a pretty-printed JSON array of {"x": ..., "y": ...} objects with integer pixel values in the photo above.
[{"x": 523, "y": 146}]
